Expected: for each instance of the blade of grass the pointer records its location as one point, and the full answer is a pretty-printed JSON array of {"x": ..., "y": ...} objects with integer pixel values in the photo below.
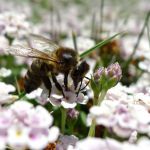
[
  {"x": 100, "y": 44},
  {"x": 74, "y": 38},
  {"x": 148, "y": 34},
  {"x": 17, "y": 85},
  {"x": 101, "y": 15},
  {"x": 138, "y": 40},
  {"x": 93, "y": 26}
]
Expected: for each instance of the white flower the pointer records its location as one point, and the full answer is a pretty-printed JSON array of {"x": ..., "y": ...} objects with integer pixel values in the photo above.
[
  {"x": 144, "y": 65},
  {"x": 2, "y": 143},
  {"x": 21, "y": 109},
  {"x": 98, "y": 144},
  {"x": 6, "y": 119},
  {"x": 41, "y": 95},
  {"x": 143, "y": 143},
  {"x": 142, "y": 99},
  {"x": 17, "y": 137},
  {"x": 34, "y": 94},
  {"x": 3, "y": 44},
  {"x": 117, "y": 93},
  {"x": 5, "y": 97},
  {"x": 122, "y": 119},
  {"x": 101, "y": 114},
  {"x": 24, "y": 126},
  {"x": 37, "y": 140},
  {"x": 39, "y": 118},
  {"x": 6, "y": 88},
  {"x": 53, "y": 134}
]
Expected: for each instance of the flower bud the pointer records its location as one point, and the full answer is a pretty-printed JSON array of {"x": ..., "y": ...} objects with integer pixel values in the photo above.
[
  {"x": 105, "y": 78},
  {"x": 114, "y": 71},
  {"x": 72, "y": 113},
  {"x": 97, "y": 75}
]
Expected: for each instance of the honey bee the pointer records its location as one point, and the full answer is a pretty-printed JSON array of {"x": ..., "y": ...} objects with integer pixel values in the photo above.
[{"x": 50, "y": 60}]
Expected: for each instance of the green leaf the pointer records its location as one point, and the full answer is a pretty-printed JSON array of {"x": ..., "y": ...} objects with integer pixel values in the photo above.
[{"x": 100, "y": 44}]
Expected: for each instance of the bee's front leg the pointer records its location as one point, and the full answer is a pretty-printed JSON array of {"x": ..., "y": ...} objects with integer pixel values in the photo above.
[
  {"x": 66, "y": 81},
  {"x": 58, "y": 86},
  {"x": 86, "y": 83}
]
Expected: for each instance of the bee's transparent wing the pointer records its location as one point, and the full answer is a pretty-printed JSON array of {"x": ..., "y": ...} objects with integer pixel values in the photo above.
[
  {"x": 42, "y": 43},
  {"x": 24, "y": 51}
]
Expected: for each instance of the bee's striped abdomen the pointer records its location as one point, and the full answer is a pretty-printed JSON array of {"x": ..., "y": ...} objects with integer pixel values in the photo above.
[{"x": 32, "y": 77}]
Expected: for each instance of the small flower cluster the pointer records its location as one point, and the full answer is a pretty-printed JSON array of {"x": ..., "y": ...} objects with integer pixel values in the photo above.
[
  {"x": 108, "y": 77},
  {"x": 24, "y": 126},
  {"x": 135, "y": 94},
  {"x": 120, "y": 118},
  {"x": 13, "y": 25},
  {"x": 103, "y": 80}
]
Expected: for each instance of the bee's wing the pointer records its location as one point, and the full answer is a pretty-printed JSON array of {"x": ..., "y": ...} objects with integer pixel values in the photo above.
[
  {"x": 26, "y": 51},
  {"x": 42, "y": 43}
]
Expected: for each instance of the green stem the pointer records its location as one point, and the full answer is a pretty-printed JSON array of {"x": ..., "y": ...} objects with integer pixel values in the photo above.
[
  {"x": 92, "y": 129},
  {"x": 17, "y": 85},
  {"x": 95, "y": 99},
  {"x": 63, "y": 119},
  {"x": 101, "y": 97},
  {"x": 71, "y": 125}
]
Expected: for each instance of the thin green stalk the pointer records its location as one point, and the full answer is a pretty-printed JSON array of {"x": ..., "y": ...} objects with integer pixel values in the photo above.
[
  {"x": 17, "y": 85},
  {"x": 59, "y": 25},
  {"x": 63, "y": 119},
  {"x": 148, "y": 34},
  {"x": 92, "y": 129},
  {"x": 72, "y": 123},
  {"x": 100, "y": 44},
  {"x": 105, "y": 133},
  {"x": 101, "y": 15},
  {"x": 93, "y": 26},
  {"x": 74, "y": 38},
  {"x": 139, "y": 39},
  {"x": 97, "y": 101},
  {"x": 101, "y": 97}
]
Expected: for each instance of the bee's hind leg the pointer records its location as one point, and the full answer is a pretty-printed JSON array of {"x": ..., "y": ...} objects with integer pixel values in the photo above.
[
  {"x": 58, "y": 86},
  {"x": 47, "y": 84},
  {"x": 79, "y": 87}
]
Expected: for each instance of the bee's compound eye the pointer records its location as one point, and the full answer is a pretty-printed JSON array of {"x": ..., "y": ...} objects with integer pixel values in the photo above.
[{"x": 67, "y": 57}]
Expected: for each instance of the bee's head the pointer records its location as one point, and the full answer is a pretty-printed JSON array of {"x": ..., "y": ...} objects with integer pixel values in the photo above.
[{"x": 67, "y": 57}]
